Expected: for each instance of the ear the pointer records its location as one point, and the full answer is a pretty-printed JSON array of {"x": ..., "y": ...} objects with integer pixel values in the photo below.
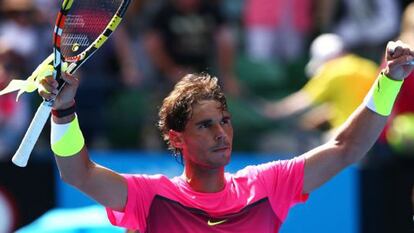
[{"x": 176, "y": 139}]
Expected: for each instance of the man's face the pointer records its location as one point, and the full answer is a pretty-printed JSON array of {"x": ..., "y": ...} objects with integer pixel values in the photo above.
[{"x": 207, "y": 138}]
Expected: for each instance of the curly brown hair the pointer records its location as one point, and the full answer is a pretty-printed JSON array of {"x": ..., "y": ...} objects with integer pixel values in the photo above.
[{"x": 177, "y": 107}]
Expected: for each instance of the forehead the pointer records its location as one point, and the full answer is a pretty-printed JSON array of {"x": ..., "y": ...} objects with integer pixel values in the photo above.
[{"x": 207, "y": 109}]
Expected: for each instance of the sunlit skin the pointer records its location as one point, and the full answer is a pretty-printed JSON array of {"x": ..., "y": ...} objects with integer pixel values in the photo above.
[{"x": 206, "y": 145}]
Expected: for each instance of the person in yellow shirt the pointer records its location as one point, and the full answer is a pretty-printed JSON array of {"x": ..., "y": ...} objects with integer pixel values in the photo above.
[{"x": 339, "y": 81}]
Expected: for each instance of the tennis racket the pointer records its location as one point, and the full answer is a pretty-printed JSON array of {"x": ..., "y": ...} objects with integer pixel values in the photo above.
[{"x": 82, "y": 27}]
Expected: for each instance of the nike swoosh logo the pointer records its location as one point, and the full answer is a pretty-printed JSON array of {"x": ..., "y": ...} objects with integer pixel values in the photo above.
[{"x": 211, "y": 223}]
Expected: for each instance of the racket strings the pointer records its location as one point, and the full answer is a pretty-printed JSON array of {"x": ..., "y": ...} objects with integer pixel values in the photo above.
[
  {"x": 85, "y": 21},
  {"x": 76, "y": 21},
  {"x": 75, "y": 40}
]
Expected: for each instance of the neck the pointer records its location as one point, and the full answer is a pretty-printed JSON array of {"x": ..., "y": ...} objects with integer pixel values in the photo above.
[{"x": 205, "y": 180}]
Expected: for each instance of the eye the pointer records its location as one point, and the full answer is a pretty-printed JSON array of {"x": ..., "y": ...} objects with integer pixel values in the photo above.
[
  {"x": 204, "y": 125},
  {"x": 225, "y": 121}
]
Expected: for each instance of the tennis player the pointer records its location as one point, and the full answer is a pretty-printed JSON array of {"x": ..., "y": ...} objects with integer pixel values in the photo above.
[{"x": 195, "y": 122}]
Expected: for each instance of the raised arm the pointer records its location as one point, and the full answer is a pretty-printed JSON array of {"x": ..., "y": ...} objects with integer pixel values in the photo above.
[
  {"x": 105, "y": 186},
  {"x": 363, "y": 127},
  {"x": 290, "y": 105},
  {"x": 225, "y": 56},
  {"x": 162, "y": 60}
]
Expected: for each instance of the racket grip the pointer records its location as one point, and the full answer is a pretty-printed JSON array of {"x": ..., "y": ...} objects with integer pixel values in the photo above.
[{"x": 22, "y": 154}]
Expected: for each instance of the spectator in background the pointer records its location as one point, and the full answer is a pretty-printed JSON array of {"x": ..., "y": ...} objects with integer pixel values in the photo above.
[
  {"x": 138, "y": 87},
  {"x": 17, "y": 30},
  {"x": 14, "y": 116},
  {"x": 128, "y": 41},
  {"x": 103, "y": 80},
  {"x": 114, "y": 77},
  {"x": 365, "y": 26},
  {"x": 277, "y": 29},
  {"x": 388, "y": 171},
  {"x": 338, "y": 82},
  {"x": 190, "y": 36},
  {"x": 25, "y": 41},
  {"x": 172, "y": 37}
]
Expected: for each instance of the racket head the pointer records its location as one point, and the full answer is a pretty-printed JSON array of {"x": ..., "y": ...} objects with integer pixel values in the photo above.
[
  {"x": 64, "y": 34},
  {"x": 82, "y": 27}
]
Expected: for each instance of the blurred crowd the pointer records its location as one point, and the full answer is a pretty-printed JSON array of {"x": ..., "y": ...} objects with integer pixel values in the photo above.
[
  {"x": 259, "y": 50},
  {"x": 293, "y": 71}
]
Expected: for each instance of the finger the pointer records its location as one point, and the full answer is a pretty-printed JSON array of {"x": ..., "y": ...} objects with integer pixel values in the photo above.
[
  {"x": 48, "y": 86},
  {"x": 397, "y": 52},
  {"x": 406, "y": 49},
  {"x": 45, "y": 90},
  {"x": 46, "y": 95},
  {"x": 390, "y": 50},
  {"x": 403, "y": 60},
  {"x": 70, "y": 79},
  {"x": 51, "y": 81},
  {"x": 395, "y": 49}
]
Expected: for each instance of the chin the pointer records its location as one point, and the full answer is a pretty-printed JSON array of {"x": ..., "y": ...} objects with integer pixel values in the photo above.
[
  {"x": 227, "y": 160},
  {"x": 221, "y": 159}
]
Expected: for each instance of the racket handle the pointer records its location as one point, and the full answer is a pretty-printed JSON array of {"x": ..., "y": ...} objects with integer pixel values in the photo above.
[{"x": 22, "y": 154}]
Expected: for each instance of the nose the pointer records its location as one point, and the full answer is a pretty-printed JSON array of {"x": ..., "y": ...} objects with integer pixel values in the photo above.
[{"x": 219, "y": 133}]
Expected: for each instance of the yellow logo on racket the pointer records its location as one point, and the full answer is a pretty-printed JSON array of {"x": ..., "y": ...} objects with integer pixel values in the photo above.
[{"x": 75, "y": 47}]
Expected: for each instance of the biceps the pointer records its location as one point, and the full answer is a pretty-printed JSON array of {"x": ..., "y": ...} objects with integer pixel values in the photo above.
[
  {"x": 321, "y": 164},
  {"x": 103, "y": 185},
  {"x": 106, "y": 187}
]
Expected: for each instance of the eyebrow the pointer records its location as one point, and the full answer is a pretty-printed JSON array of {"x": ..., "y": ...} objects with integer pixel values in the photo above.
[
  {"x": 209, "y": 121},
  {"x": 226, "y": 117},
  {"x": 202, "y": 122}
]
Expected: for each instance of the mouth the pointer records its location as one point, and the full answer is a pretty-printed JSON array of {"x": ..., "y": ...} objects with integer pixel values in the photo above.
[{"x": 221, "y": 149}]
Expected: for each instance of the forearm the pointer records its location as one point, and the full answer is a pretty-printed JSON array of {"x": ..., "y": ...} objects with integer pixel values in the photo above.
[
  {"x": 364, "y": 126},
  {"x": 288, "y": 106},
  {"x": 123, "y": 45},
  {"x": 73, "y": 168},
  {"x": 355, "y": 137},
  {"x": 158, "y": 55},
  {"x": 68, "y": 144},
  {"x": 225, "y": 48},
  {"x": 316, "y": 117},
  {"x": 102, "y": 184},
  {"x": 124, "y": 53},
  {"x": 358, "y": 134},
  {"x": 350, "y": 144}
]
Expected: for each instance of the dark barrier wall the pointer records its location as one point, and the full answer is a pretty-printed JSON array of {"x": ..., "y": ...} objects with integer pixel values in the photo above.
[
  {"x": 30, "y": 190},
  {"x": 386, "y": 196}
]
